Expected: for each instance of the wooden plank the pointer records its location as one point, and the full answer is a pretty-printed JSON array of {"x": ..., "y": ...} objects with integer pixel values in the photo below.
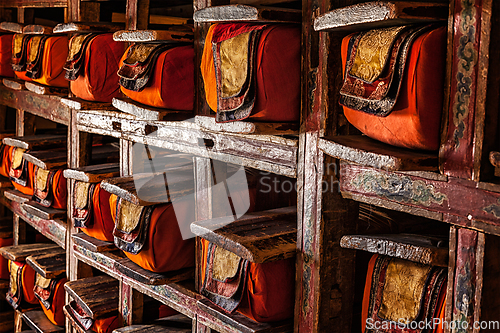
[
  {"x": 50, "y": 266},
  {"x": 45, "y": 90},
  {"x": 175, "y": 33},
  {"x": 14, "y": 84},
  {"x": 73, "y": 321},
  {"x": 378, "y": 14},
  {"x": 38, "y": 321},
  {"x": 422, "y": 249},
  {"x": 247, "y": 13},
  {"x": 150, "y": 329},
  {"x": 159, "y": 188},
  {"x": 141, "y": 275},
  {"x": 36, "y": 142},
  {"x": 247, "y": 127},
  {"x": 22, "y": 251},
  {"x": 45, "y": 213},
  {"x": 87, "y": 27},
  {"x": 131, "y": 305},
  {"x": 362, "y": 150},
  {"x": 146, "y": 112},
  {"x": 97, "y": 296},
  {"x": 92, "y": 244},
  {"x": 80, "y": 104},
  {"x": 93, "y": 173},
  {"x": 47, "y": 159},
  {"x": 55, "y": 230},
  {"x": 258, "y": 237},
  {"x": 12, "y": 27},
  {"x": 242, "y": 323},
  {"x": 37, "y": 29}
]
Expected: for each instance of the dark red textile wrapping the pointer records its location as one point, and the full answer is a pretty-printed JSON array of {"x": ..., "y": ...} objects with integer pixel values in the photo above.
[
  {"x": 6, "y": 55},
  {"x": 103, "y": 223}
]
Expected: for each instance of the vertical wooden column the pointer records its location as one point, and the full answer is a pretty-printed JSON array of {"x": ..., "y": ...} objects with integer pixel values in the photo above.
[
  {"x": 137, "y": 14},
  {"x": 19, "y": 230},
  {"x": 131, "y": 304}
]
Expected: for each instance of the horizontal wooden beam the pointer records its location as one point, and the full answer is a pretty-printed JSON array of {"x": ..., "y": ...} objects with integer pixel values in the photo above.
[
  {"x": 22, "y": 251},
  {"x": 38, "y": 321},
  {"x": 87, "y": 27},
  {"x": 247, "y": 13},
  {"x": 36, "y": 142},
  {"x": 48, "y": 265},
  {"x": 247, "y": 127},
  {"x": 93, "y": 173}
]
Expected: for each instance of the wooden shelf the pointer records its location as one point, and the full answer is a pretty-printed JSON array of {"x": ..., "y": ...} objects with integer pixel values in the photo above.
[
  {"x": 426, "y": 250},
  {"x": 259, "y": 237},
  {"x": 13, "y": 84},
  {"x": 44, "y": 213},
  {"x": 362, "y": 150},
  {"x": 156, "y": 189},
  {"x": 176, "y": 33},
  {"x": 41, "y": 89},
  {"x": 146, "y": 112},
  {"x": 87, "y": 27},
  {"x": 47, "y": 159},
  {"x": 48, "y": 265},
  {"x": 38, "y": 321},
  {"x": 80, "y": 104},
  {"x": 55, "y": 230},
  {"x": 263, "y": 152},
  {"x": 92, "y": 244},
  {"x": 151, "y": 329},
  {"x": 379, "y": 14},
  {"x": 93, "y": 173},
  {"x": 36, "y": 142},
  {"x": 22, "y": 251},
  {"x": 117, "y": 265},
  {"x": 247, "y": 13},
  {"x": 97, "y": 296},
  {"x": 12, "y": 27},
  {"x": 247, "y": 127},
  {"x": 37, "y": 29},
  {"x": 17, "y": 196}
]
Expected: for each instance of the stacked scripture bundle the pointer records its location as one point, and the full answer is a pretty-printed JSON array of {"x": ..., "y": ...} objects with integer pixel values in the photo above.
[
  {"x": 50, "y": 188},
  {"x": 50, "y": 294},
  {"x": 159, "y": 75},
  {"x": 91, "y": 66},
  {"x": 22, "y": 282},
  {"x": 252, "y": 71},
  {"x": 393, "y": 84},
  {"x": 40, "y": 58},
  {"x": 6, "y": 55}
]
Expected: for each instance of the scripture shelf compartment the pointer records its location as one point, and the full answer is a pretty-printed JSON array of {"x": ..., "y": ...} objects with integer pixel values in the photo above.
[
  {"x": 258, "y": 237},
  {"x": 36, "y": 142},
  {"x": 247, "y": 13},
  {"x": 264, "y": 152},
  {"x": 39, "y": 323},
  {"x": 37, "y": 29},
  {"x": 362, "y": 150},
  {"x": 23, "y": 251},
  {"x": 48, "y": 265},
  {"x": 378, "y": 14},
  {"x": 145, "y": 112},
  {"x": 174, "y": 33}
]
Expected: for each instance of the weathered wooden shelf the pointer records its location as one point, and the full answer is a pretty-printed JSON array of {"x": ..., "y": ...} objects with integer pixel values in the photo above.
[
  {"x": 247, "y": 13},
  {"x": 150, "y": 329},
  {"x": 422, "y": 249},
  {"x": 97, "y": 296},
  {"x": 160, "y": 188},
  {"x": 176, "y": 33},
  {"x": 36, "y": 142},
  {"x": 378, "y": 14},
  {"x": 92, "y": 244},
  {"x": 17, "y": 196},
  {"x": 22, "y": 251},
  {"x": 48, "y": 265},
  {"x": 37, "y": 29},
  {"x": 41, "y": 89},
  {"x": 247, "y": 127},
  {"x": 74, "y": 321},
  {"x": 80, "y": 104},
  {"x": 86, "y": 27},
  {"x": 93, "y": 173},
  {"x": 34, "y": 4},
  {"x": 362, "y": 150},
  {"x": 12, "y": 27},
  {"x": 13, "y": 84},
  {"x": 240, "y": 322},
  {"x": 274, "y": 154},
  {"x": 45, "y": 213},
  {"x": 146, "y": 112},
  {"x": 259, "y": 237},
  {"x": 38, "y": 321},
  {"x": 55, "y": 230}
]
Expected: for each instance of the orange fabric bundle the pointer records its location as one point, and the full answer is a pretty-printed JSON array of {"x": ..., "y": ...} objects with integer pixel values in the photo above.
[
  {"x": 171, "y": 84},
  {"x": 55, "y": 192},
  {"x": 414, "y": 121},
  {"x": 6, "y": 55},
  {"x": 23, "y": 277},
  {"x": 275, "y": 72},
  {"x": 269, "y": 291},
  {"x": 23, "y": 176},
  {"x": 106, "y": 325},
  {"x": 4, "y": 263},
  {"x": 97, "y": 81},
  {"x": 164, "y": 249},
  {"x": 6, "y": 153},
  {"x": 56, "y": 298},
  {"x": 103, "y": 222}
]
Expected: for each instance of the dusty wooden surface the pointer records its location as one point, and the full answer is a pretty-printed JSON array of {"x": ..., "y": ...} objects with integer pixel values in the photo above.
[
  {"x": 145, "y": 112},
  {"x": 80, "y": 104},
  {"x": 246, "y": 13},
  {"x": 378, "y": 14},
  {"x": 93, "y": 173},
  {"x": 14, "y": 84},
  {"x": 12, "y": 27},
  {"x": 48, "y": 265},
  {"x": 38, "y": 321},
  {"x": 98, "y": 296},
  {"x": 21, "y": 252},
  {"x": 422, "y": 249},
  {"x": 82, "y": 27},
  {"x": 36, "y": 142},
  {"x": 173, "y": 34},
  {"x": 150, "y": 329},
  {"x": 45, "y": 90},
  {"x": 37, "y": 29},
  {"x": 92, "y": 244},
  {"x": 45, "y": 213},
  {"x": 258, "y": 237},
  {"x": 362, "y": 150},
  {"x": 141, "y": 275},
  {"x": 247, "y": 127}
]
